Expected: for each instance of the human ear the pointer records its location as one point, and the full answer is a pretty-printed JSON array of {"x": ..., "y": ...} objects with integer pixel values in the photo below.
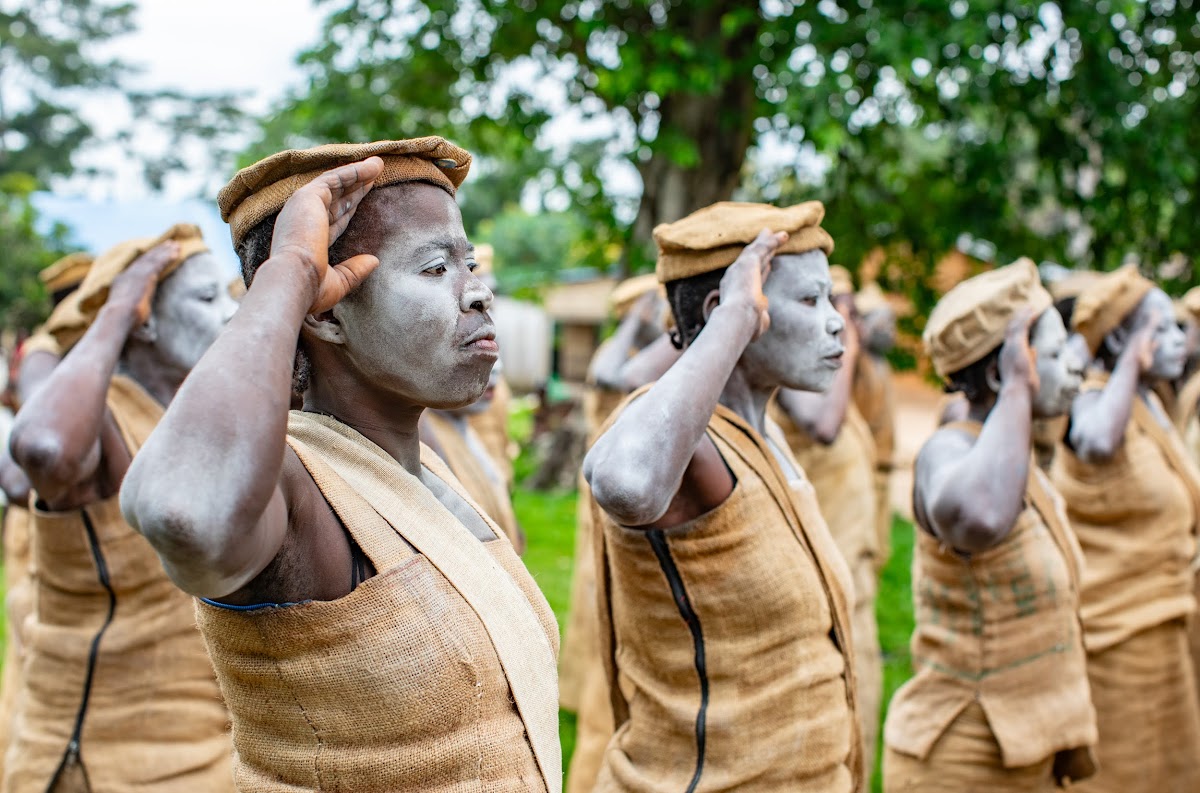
[
  {"x": 1117, "y": 340},
  {"x": 992, "y": 376},
  {"x": 711, "y": 301},
  {"x": 324, "y": 327}
]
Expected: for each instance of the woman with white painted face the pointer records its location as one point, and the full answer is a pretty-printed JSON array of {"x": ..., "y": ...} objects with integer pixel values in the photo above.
[
  {"x": 371, "y": 627},
  {"x": 999, "y": 701},
  {"x": 118, "y": 692},
  {"x": 724, "y": 603},
  {"x": 1133, "y": 497}
]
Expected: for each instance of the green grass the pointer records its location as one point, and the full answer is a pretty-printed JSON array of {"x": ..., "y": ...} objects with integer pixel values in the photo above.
[{"x": 549, "y": 523}]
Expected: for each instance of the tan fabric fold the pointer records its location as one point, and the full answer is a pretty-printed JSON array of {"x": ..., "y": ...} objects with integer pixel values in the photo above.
[
  {"x": 66, "y": 273},
  {"x": 1106, "y": 301},
  {"x": 527, "y": 656}
]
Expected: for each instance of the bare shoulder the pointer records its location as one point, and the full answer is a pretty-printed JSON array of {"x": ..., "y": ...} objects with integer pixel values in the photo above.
[{"x": 946, "y": 445}]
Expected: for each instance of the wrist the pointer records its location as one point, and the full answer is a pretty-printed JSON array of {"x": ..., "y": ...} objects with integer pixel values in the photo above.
[
  {"x": 289, "y": 270},
  {"x": 741, "y": 317},
  {"x": 122, "y": 313}
]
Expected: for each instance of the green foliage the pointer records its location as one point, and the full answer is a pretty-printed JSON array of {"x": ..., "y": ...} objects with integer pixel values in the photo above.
[{"x": 23, "y": 298}]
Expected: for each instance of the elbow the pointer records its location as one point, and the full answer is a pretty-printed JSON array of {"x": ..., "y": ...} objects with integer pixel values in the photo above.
[
  {"x": 624, "y": 494},
  {"x": 824, "y": 433},
  {"x": 41, "y": 453},
  {"x": 1093, "y": 450},
  {"x": 977, "y": 534}
]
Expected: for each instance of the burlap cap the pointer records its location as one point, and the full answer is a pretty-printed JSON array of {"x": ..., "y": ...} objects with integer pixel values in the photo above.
[
  {"x": 711, "y": 238},
  {"x": 843, "y": 282},
  {"x": 72, "y": 317},
  {"x": 1073, "y": 284},
  {"x": 1105, "y": 303},
  {"x": 870, "y": 298},
  {"x": 971, "y": 319},
  {"x": 260, "y": 190},
  {"x": 66, "y": 273},
  {"x": 629, "y": 291},
  {"x": 1190, "y": 304}
]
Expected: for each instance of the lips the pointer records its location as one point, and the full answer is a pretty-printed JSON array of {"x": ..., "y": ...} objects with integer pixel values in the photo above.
[{"x": 482, "y": 340}]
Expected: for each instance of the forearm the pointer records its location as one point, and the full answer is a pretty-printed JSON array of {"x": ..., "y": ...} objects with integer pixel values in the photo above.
[
  {"x": 636, "y": 467},
  {"x": 57, "y": 432},
  {"x": 204, "y": 479},
  {"x": 821, "y": 415},
  {"x": 1098, "y": 424},
  {"x": 35, "y": 368},
  {"x": 984, "y": 492},
  {"x": 612, "y": 357},
  {"x": 649, "y": 364}
]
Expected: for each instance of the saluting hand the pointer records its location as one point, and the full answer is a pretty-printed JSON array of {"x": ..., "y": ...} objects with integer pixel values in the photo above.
[
  {"x": 133, "y": 289},
  {"x": 1018, "y": 364},
  {"x": 314, "y": 217},
  {"x": 742, "y": 283}
]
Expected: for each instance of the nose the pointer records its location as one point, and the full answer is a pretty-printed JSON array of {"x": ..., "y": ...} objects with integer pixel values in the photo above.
[
  {"x": 475, "y": 295},
  {"x": 834, "y": 322}
]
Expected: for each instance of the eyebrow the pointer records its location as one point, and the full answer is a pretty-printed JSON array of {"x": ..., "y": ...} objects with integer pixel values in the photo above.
[{"x": 443, "y": 244}]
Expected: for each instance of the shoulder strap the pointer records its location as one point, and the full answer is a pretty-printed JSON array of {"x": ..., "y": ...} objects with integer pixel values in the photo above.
[{"x": 412, "y": 510}]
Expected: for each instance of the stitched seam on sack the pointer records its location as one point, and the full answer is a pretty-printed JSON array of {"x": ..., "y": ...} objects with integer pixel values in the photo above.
[{"x": 303, "y": 712}]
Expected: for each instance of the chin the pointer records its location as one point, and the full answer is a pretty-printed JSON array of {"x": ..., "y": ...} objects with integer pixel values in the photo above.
[{"x": 817, "y": 381}]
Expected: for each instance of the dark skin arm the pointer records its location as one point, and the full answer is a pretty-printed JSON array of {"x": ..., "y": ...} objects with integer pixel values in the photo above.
[
  {"x": 213, "y": 487},
  {"x": 820, "y": 415},
  {"x": 610, "y": 362},
  {"x": 649, "y": 364},
  {"x": 64, "y": 437},
  {"x": 656, "y": 467},
  {"x": 35, "y": 368},
  {"x": 1099, "y": 418},
  {"x": 971, "y": 493}
]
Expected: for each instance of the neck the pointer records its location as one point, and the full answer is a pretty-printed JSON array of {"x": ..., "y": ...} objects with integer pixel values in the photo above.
[
  {"x": 389, "y": 423},
  {"x": 979, "y": 411},
  {"x": 748, "y": 400},
  {"x": 156, "y": 379}
]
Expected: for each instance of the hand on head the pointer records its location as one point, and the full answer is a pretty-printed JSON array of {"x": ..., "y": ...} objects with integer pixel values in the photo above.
[
  {"x": 742, "y": 283},
  {"x": 134, "y": 287},
  {"x": 1017, "y": 361},
  {"x": 314, "y": 217}
]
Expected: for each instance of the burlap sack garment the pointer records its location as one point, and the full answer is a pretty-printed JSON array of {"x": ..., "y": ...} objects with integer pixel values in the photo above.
[
  {"x": 484, "y": 483},
  {"x": 843, "y": 476},
  {"x": 492, "y": 427},
  {"x": 1187, "y": 423},
  {"x": 876, "y": 402},
  {"x": 152, "y": 718},
  {"x": 731, "y": 639},
  {"x": 1000, "y": 629},
  {"x": 18, "y": 602},
  {"x": 437, "y": 674},
  {"x": 1135, "y": 518},
  {"x": 583, "y": 687}
]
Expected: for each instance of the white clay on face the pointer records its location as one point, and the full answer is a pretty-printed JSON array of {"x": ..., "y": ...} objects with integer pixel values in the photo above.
[
  {"x": 800, "y": 347},
  {"x": 1170, "y": 353},
  {"x": 407, "y": 326},
  {"x": 1059, "y": 374},
  {"x": 191, "y": 306}
]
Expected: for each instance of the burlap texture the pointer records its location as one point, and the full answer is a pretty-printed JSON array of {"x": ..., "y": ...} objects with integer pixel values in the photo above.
[
  {"x": 876, "y": 402},
  {"x": 492, "y": 428},
  {"x": 18, "y": 604},
  {"x": 1072, "y": 285},
  {"x": 260, "y": 190},
  {"x": 1134, "y": 516},
  {"x": 305, "y": 682},
  {"x": 843, "y": 282},
  {"x": 999, "y": 628},
  {"x": 482, "y": 479},
  {"x": 1106, "y": 301},
  {"x": 711, "y": 238},
  {"x": 770, "y": 596},
  {"x": 154, "y": 720},
  {"x": 41, "y": 341},
  {"x": 843, "y": 476},
  {"x": 66, "y": 273},
  {"x": 1145, "y": 696},
  {"x": 629, "y": 291},
  {"x": 72, "y": 317},
  {"x": 966, "y": 757},
  {"x": 970, "y": 320}
]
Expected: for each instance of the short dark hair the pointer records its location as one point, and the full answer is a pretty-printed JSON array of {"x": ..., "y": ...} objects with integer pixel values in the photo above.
[
  {"x": 971, "y": 380},
  {"x": 686, "y": 297}
]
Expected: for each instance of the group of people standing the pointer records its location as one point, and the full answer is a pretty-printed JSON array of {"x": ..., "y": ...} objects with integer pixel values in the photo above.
[{"x": 272, "y": 547}]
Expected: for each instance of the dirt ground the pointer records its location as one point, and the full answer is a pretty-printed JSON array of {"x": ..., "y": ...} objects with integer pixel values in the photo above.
[{"x": 917, "y": 407}]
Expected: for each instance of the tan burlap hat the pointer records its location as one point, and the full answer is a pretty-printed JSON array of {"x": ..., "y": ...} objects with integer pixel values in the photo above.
[
  {"x": 970, "y": 320},
  {"x": 629, "y": 291},
  {"x": 870, "y": 298},
  {"x": 843, "y": 282},
  {"x": 1105, "y": 303},
  {"x": 1189, "y": 304},
  {"x": 711, "y": 238},
  {"x": 72, "y": 317},
  {"x": 66, "y": 273},
  {"x": 260, "y": 190},
  {"x": 1073, "y": 284}
]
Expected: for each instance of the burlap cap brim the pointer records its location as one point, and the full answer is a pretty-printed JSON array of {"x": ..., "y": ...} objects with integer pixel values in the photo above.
[
  {"x": 66, "y": 273},
  {"x": 683, "y": 263},
  {"x": 41, "y": 341},
  {"x": 629, "y": 292},
  {"x": 71, "y": 318},
  {"x": 870, "y": 298},
  {"x": 1105, "y": 304},
  {"x": 259, "y": 191},
  {"x": 843, "y": 283},
  {"x": 972, "y": 319}
]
